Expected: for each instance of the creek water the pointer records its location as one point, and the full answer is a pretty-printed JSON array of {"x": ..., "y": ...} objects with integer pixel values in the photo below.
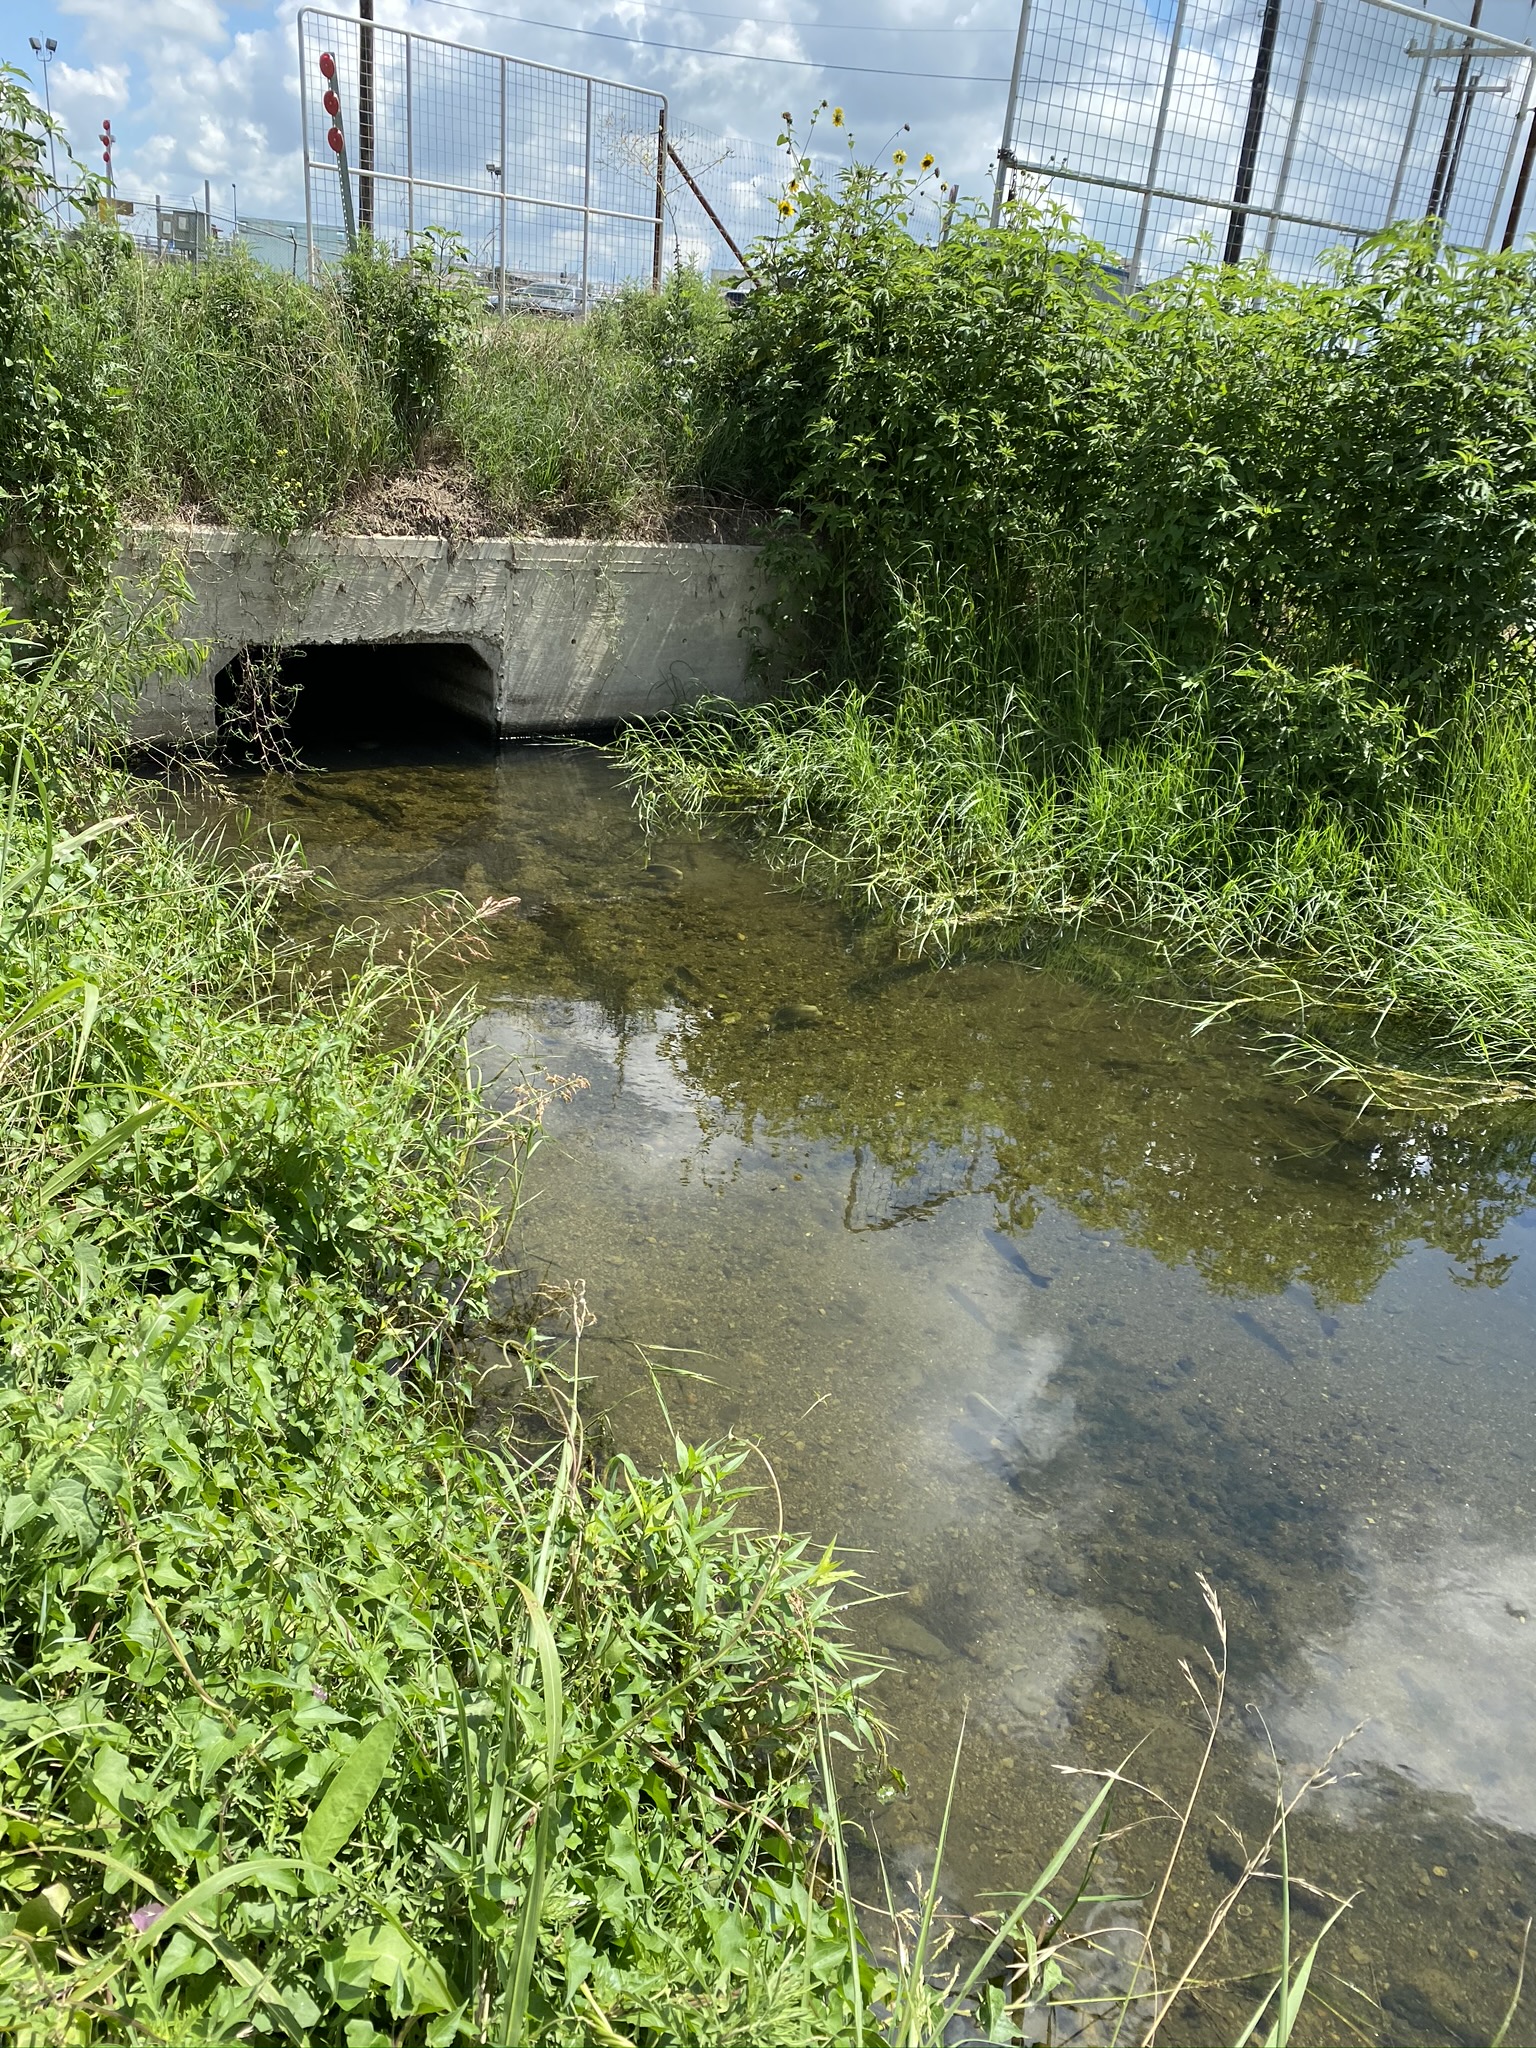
[{"x": 1037, "y": 1306}]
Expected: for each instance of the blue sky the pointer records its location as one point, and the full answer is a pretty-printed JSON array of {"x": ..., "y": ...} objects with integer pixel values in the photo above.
[
  {"x": 200, "y": 89},
  {"x": 204, "y": 89}
]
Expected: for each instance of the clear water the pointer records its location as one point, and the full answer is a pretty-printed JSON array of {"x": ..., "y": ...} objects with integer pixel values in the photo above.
[{"x": 1038, "y": 1306}]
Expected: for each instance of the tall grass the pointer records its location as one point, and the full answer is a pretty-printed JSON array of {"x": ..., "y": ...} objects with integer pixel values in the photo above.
[
  {"x": 254, "y": 400},
  {"x": 590, "y": 426},
  {"x": 321, "y": 1717}
]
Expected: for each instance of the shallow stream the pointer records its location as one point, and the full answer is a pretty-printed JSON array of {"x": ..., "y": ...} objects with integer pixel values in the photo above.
[{"x": 1038, "y": 1306}]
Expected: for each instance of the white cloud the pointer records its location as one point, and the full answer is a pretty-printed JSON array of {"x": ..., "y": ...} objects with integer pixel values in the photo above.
[{"x": 1439, "y": 1655}]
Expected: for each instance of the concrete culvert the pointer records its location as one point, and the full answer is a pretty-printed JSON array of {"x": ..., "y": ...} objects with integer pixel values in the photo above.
[{"x": 271, "y": 700}]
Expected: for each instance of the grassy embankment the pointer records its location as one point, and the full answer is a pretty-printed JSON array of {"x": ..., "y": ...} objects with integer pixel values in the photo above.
[
  {"x": 259, "y": 402},
  {"x": 1203, "y": 615},
  {"x": 319, "y": 1719}
]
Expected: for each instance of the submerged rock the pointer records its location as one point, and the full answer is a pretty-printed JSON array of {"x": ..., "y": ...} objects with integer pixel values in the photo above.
[
  {"x": 797, "y": 1017},
  {"x": 899, "y": 1630}
]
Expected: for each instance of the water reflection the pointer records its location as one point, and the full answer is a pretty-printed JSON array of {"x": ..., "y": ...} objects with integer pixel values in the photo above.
[
  {"x": 1037, "y": 1306},
  {"x": 1435, "y": 1657}
]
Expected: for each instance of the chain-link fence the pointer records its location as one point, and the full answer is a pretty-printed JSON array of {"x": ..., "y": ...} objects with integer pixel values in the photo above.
[{"x": 1282, "y": 126}]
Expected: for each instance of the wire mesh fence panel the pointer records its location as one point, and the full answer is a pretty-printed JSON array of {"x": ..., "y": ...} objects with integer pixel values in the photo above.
[
  {"x": 1171, "y": 128},
  {"x": 543, "y": 182}
]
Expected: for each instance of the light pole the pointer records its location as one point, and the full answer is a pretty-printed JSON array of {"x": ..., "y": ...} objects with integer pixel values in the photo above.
[{"x": 47, "y": 51}]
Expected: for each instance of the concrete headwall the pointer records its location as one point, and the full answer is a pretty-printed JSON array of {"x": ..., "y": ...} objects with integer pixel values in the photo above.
[{"x": 568, "y": 633}]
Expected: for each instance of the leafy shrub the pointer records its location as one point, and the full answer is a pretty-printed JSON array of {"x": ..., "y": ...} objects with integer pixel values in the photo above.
[
  {"x": 1202, "y": 610},
  {"x": 409, "y": 324},
  {"x": 58, "y": 401}
]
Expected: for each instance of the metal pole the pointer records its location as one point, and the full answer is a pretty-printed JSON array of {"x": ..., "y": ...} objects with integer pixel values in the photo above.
[
  {"x": 410, "y": 151},
  {"x": 207, "y": 218},
  {"x": 365, "y": 115},
  {"x": 1522, "y": 183},
  {"x": 1010, "y": 116},
  {"x": 309, "y": 200},
  {"x": 661, "y": 194},
  {"x": 348, "y": 216},
  {"x": 1253, "y": 130},
  {"x": 1294, "y": 131},
  {"x": 1452, "y": 119},
  {"x": 501, "y": 202},
  {"x": 1154, "y": 162},
  {"x": 1467, "y": 105},
  {"x": 586, "y": 210},
  {"x": 1412, "y": 131},
  {"x": 1509, "y": 159},
  {"x": 720, "y": 227}
]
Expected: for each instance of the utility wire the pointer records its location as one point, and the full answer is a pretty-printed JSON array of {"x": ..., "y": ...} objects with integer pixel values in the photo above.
[
  {"x": 722, "y": 56},
  {"x": 852, "y": 28}
]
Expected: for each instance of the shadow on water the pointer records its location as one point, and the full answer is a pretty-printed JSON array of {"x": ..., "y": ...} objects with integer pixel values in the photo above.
[{"x": 1037, "y": 1306}]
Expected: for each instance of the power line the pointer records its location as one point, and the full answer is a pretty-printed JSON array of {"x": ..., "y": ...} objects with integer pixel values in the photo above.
[
  {"x": 723, "y": 56},
  {"x": 852, "y": 28}
]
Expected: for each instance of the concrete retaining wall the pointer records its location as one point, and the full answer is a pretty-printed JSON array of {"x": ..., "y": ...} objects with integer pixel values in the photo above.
[{"x": 569, "y": 634}]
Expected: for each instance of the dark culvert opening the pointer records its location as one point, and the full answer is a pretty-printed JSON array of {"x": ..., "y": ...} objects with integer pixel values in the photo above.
[{"x": 275, "y": 702}]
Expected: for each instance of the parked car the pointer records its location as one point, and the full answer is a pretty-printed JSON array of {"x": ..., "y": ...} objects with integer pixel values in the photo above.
[{"x": 552, "y": 301}]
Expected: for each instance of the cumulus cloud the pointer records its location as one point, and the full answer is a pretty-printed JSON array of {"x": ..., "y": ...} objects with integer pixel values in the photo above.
[
  {"x": 198, "y": 89},
  {"x": 207, "y": 89}
]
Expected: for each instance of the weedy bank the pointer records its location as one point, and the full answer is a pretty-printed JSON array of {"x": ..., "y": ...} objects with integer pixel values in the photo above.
[
  {"x": 318, "y": 1717},
  {"x": 1200, "y": 612},
  {"x": 257, "y": 401}
]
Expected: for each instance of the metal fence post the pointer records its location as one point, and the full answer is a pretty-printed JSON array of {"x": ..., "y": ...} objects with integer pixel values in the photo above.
[
  {"x": 365, "y": 115},
  {"x": 501, "y": 201},
  {"x": 309, "y": 202},
  {"x": 1509, "y": 162},
  {"x": 1011, "y": 113},
  {"x": 1282, "y": 182},
  {"x": 586, "y": 211},
  {"x": 1154, "y": 163},
  {"x": 410, "y": 153},
  {"x": 1410, "y": 135},
  {"x": 661, "y": 195}
]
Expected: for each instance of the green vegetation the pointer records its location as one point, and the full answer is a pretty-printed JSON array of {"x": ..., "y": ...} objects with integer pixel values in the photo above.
[
  {"x": 591, "y": 426},
  {"x": 259, "y": 401},
  {"x": 323, "y": 1717},
  {"x": 319, "y": 1718},
  {"x": 1202, "y": 613}
]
